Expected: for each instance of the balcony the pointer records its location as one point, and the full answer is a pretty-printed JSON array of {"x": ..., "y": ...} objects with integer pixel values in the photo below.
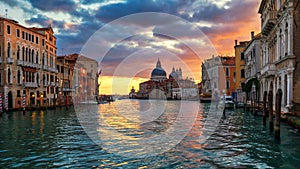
[
  {"x": 268, "y": 22},
  {"x": 20, "y": 62},
  {"x": 28, "y": 64},
  {"x": 30, "y": 84},
  {"x": 68, "y": 90},
  {"x": 45, "y": 67},
  {"x": 268, "y": 70},
  {"x": 51, "y": 69},
  {"x": 10, "y": 60},
  {"x": 52, "y": 83}
]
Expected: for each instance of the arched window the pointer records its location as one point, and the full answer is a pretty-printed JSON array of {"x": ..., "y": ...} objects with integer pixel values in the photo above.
[
  {"x": 32, "y": 55},
  {"x": 18, "y": 53},
  {"x": 37, "y": 78},
  {"x": 26, "y": 54},
  {"x": 44, "y": 79},
  {"x": 29, "y": 55},
  {"x": 23, "y": 53},
  {"x": 19, "y": 77},
  {"x": 37, "y": 57},
  {"x": 43, "y": 59},
  {"x": 9, "y": 75},
  {"x": 8, "y": 50}
]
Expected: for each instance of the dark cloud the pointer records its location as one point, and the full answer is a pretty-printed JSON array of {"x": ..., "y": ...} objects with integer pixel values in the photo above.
[
  {"x": 114, "y": 11},
  {"x": 44, "y": 21},
  {"x": 54, "y": 5}
]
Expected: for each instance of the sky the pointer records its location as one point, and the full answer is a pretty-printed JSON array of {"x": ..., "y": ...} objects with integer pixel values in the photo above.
[{"x": 127, "y": 37}]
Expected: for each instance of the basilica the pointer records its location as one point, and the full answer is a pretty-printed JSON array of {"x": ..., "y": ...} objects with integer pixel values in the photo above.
[{"x": 161, "y": 87}]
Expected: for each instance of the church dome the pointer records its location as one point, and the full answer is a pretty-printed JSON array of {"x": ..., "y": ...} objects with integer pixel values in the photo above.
[{"x": 158, "y": 73}]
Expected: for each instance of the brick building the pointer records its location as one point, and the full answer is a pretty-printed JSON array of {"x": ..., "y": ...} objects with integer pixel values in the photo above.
[{"x": 27, "y": 64}]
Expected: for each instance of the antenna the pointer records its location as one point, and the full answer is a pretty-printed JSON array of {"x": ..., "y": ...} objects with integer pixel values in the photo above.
[{"x": 6, "y": 10}]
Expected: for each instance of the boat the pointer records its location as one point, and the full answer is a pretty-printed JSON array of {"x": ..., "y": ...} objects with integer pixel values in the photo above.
[
  {"x": 205, "y": 98},
  {"x": 103, "y": 99},
  {"x": 228, "y": 101}
]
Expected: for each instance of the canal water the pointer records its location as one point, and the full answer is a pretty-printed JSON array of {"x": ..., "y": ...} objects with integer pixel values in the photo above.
[{"x": 56, "y": 139}]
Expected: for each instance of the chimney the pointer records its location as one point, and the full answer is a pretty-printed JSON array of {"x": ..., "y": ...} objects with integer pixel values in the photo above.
[
  {"x": 252, "y": 35},
  {"x": 236, "y": 42}
]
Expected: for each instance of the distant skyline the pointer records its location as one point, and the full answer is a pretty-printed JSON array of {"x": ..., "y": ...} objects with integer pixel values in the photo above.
[{"x": 74, "y": 21}]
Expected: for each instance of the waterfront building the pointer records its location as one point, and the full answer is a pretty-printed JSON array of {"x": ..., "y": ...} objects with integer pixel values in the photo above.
[
  {"x": 64, "y": 79},
  {"x": 80, "y": 77},
  {"x": 240, "y": 64},
  {"x": 161, "y": 87},
  {"x": 27, "y": 64},
  {"x": 278, "y": 48},
  {"x": 253, "y": 66},
  {"x": 218, "y": 74}
]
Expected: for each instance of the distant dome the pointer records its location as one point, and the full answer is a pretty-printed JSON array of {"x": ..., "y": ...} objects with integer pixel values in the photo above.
[
  {"x": 158, "y": 73},
  {"x": 173, "y": 75}
]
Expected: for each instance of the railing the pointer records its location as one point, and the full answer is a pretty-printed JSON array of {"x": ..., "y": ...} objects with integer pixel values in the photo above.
[
  {"x": 51, "y": 69},
  {"x": 52, "y": 83},
  {"x": 270, "y": 16},
  {"x": 28, "y": 64},
  {"x": 10, "y": 60},
  {"x": 68, "y": 90},
  {"x": 269, "y": 68},
  {"x": 30, "y": 84}
]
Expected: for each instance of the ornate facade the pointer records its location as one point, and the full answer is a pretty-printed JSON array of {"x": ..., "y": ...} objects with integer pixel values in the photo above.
[
  {"x": 278, "y": 43},
  {"x": 28, "y": 71}
]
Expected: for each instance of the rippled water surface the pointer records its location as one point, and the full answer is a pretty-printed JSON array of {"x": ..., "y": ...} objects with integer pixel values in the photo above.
[{"x": 56, "y": 139}]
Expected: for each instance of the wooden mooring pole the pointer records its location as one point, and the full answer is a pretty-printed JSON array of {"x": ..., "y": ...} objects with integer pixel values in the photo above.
[
  {"x": 270, "y": 107},
  {"x": 278, "y": 114},
  {"x": 265, "y": 108}
]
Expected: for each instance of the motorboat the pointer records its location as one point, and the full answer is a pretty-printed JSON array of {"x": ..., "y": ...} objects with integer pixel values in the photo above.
[{"x": 227, "y": 102}]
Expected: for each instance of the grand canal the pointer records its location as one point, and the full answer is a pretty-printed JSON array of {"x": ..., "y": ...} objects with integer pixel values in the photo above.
[{"x": 56, "y": 139}]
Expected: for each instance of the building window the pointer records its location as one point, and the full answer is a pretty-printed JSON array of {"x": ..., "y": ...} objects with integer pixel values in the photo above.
[
  {"x": 227, "y": 72},
  {"x": 18, "y": 33},
  {"x": 8, "y": 29},
  {"x": 32, "y": 38},
  {"x": 37, "y": 78},
  {"x": 9, "y": 75},
  {"x": 37, "y": 40},
  {"x": 19, "y": 77},
  {"x": 32, "y": 56},
  {"x": 23, "y": 53},
  {"x": 43, "y": 42},
  {"x": 23, "y": 35},
  {"x": 242, "y": 73},
  {"x": 18, "y": 53},
  {"x": 37, "y": 58},
  {"x": 227, "y": 84},
  {"x": 26, "y": 36},
  {"x": 242, "y": 56},
  {"x": 18, "y": 93},
  {"x": 8, "y": 50},
  {"x": 29, "y": 37}
]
